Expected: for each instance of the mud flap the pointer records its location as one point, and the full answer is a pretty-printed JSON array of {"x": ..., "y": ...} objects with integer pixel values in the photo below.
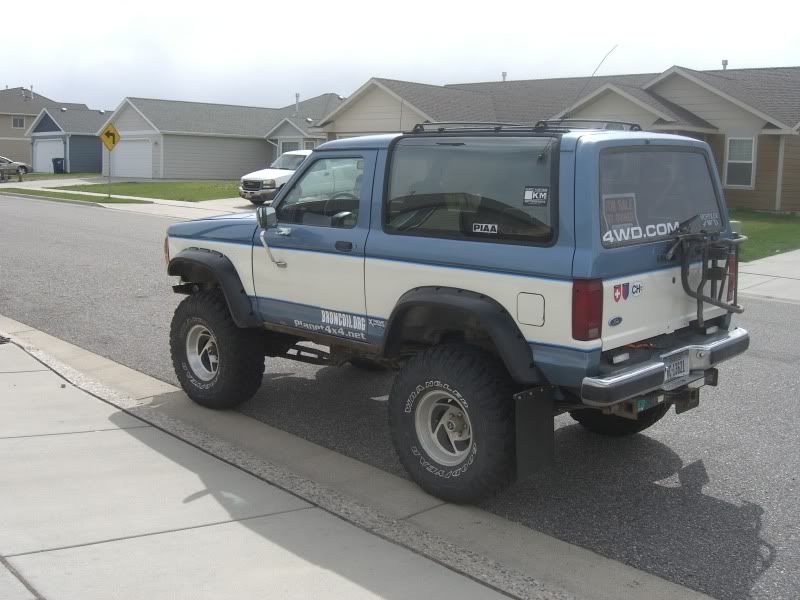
[{"x": 534, "y": 431}]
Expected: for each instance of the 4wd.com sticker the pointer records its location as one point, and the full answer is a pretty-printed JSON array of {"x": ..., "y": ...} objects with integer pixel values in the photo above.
[{"x": 630, "y": 234}]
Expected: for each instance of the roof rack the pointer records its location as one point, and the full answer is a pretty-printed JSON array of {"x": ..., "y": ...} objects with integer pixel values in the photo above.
[
  {"x": 556, "y": 125},
  {"x": 588, "y": 124},
  {"x": 442, "y": 126}
]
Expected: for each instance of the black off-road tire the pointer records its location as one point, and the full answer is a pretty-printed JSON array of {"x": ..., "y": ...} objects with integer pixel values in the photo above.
[
  {"x": 612, "y": 425},
  {"x": 241, "y": 354},
  {"x": 484, "y": 387},
  {"x": 257, "y": 202}
]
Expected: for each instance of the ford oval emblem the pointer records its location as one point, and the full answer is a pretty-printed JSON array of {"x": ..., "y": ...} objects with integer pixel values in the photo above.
[{"x": 614, "y": 321}]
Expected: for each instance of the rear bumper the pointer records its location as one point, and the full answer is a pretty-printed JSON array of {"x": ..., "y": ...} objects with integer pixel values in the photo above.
[{"x": 650, "y": 376}]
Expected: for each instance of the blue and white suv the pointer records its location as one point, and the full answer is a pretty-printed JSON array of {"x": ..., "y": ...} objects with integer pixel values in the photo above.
[{"x": 510, "y": 273}]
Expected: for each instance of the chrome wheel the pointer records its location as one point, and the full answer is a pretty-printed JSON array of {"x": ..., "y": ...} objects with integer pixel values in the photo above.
[
  {"x": 443, "y": 427},
  {"x": 202, "y": 352}
]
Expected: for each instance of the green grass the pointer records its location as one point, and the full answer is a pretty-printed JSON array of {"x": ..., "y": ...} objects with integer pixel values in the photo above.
[
  {"x": 65, "y": 196},
  {"x": 187, "y": 191},
  {"x": 767, "y": 234},
  {"x": 44, "y": 176}
]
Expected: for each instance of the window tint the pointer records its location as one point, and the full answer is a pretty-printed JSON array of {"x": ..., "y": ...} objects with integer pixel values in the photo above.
[
  {"x": 326, "y": 195},
  {"x": 484, "y": 189},
  {"x": 646, "y": 193}
]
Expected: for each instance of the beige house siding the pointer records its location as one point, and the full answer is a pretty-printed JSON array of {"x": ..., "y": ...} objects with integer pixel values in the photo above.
[
  {"x": 201, "y": 157},
  {"x": 19, "y": 146},
  {"x": 724, "y": 115},
  {"x": 762, "y": 197},
  {"x": 130, "y": 120},
  {"x": 16, "y": 149},
  {"x": 375, "y": 112},
  {"x": 790, "y": 197},
  {"x": 613, "y": 107}
]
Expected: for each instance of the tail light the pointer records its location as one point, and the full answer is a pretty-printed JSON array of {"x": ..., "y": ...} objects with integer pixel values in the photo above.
[
  {"x": 732, "y": 268},
  {"x": 587, "y": 309}
]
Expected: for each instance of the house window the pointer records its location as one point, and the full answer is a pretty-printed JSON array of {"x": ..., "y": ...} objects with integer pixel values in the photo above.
[
  {"x": 289, "y": 146},
  {"x": 311, "y": 144},
  {"x": 739, "y": 166},
  {"x": 18, "y": 122}
]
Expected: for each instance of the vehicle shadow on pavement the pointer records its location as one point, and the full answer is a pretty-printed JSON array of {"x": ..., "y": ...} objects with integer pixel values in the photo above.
[
  {"x": 631, "y": 499},
  {"x": 294, "y": 540}
]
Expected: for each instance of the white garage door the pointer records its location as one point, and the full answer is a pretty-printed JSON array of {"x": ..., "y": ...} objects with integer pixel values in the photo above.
[
  {"x": 44, "y": 151},
  {"x": 132, "y": 158}
]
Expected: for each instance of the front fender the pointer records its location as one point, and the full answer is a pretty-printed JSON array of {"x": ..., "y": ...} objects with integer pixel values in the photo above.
[{"x": 197, "y": 265}]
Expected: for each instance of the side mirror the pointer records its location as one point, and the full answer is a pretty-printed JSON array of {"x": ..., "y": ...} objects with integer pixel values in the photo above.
[{"x": 266, "y": 217}]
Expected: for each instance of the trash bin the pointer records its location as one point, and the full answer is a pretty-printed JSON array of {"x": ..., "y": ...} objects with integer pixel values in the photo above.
[{"x": 58, "y": 165}]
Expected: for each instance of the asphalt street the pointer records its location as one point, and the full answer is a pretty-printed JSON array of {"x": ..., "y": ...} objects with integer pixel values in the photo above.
[{"x": 709, "y": 499}]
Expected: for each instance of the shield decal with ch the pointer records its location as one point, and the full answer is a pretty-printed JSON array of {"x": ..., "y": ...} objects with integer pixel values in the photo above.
[
  {"x": 626, "y": 287},
  {"x": 617, "y": 292}
]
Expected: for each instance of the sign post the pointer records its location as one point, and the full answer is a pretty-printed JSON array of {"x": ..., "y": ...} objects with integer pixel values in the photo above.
[{"x": 110, "y": 138}]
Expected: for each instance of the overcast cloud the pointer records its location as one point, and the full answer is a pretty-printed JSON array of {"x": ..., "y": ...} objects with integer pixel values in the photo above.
[{"x": 261, "y": 54}]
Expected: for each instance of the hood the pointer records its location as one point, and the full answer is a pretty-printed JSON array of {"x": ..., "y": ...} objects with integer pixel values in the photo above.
[
  {"x": 276, "y": 174},
  {"x": 236, "y": 228}
]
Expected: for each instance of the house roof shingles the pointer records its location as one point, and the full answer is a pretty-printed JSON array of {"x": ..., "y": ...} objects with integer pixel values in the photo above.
[
  {"x": 79, "y": 121},
  {"x": 203, "y": 118},
  {"x": 22, "y": 101},
  {"x": 773, "y": 91}
]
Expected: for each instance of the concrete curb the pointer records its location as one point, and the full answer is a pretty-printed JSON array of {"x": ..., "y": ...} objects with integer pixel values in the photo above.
[
  {"x": 507, "y": 557},
  {"x": 64, "y": 201}
]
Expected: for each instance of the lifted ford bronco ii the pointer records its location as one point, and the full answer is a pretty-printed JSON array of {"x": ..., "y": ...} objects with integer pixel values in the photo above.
[{"x": 511, "y": 273}]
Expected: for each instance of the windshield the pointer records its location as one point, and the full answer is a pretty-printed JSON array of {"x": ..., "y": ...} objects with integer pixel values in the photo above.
[
  {"x": 288, "y": 162},
  {"x": 646, "y": 194}
]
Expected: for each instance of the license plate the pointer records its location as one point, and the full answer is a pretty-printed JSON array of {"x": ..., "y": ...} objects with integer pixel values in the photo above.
[
  {"x": 248, "y": 195},
  {"x": 676, "y": 366}
]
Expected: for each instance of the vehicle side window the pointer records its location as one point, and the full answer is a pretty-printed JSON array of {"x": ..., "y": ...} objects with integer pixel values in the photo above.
[
  {"x": 474, "y": 188},
  {"x": 328, "y": 194}
]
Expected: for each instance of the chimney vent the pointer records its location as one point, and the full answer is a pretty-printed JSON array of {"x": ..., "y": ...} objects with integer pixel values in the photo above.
[
  {"x": 724, "y": 64},
  {"x": 505, "y": 74}
]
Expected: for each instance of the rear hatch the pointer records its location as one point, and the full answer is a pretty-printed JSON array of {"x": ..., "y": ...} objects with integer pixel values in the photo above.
[{"x": 649, "y": 196}]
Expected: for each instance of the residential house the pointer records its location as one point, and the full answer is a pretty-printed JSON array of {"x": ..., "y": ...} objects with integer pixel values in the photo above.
[
  {"x": 195, "y": 140},
  {"x": 70, "y": 134},
  {"x": 749, "y": 117},
  {"x": 18, "y": 109}
]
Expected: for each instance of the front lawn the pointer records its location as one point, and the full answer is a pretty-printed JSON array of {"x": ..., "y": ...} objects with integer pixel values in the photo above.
[
  {"x": 767, "y": 234},
  {"x": 66, "y": 196},
  {"x": 187, "y": 191}
]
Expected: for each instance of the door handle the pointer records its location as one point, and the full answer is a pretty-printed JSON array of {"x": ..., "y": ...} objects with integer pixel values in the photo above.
[{"x": 343, "y": 246}]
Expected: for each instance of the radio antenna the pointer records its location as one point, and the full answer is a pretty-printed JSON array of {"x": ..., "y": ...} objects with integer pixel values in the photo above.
[{"x": 588, "y": 81}]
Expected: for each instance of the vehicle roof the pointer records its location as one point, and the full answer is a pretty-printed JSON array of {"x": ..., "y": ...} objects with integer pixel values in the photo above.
[{"x": 569, "y": 138}]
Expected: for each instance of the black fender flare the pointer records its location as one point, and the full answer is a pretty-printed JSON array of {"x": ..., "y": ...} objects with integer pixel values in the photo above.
[
  {"x": 197, "y": 265},
  {"x": 492, "y": 316}
]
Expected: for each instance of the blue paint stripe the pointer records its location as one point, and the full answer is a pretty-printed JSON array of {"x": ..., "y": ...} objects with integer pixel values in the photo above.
[
  {"x": 212, "y": 239},
  {"x": 257, "y": 297},
  {"x": 560, "y": 347}
]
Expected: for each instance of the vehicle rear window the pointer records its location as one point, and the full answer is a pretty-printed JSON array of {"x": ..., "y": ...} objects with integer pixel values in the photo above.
[
  {"x": 473, "y": 188},
  {"x": 646, "y": 194}
]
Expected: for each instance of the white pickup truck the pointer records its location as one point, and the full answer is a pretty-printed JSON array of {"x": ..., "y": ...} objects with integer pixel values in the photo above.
[{"x": 261, "y": 186}]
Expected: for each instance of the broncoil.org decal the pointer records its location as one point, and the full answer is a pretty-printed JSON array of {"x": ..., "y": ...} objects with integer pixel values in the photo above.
[
  {"x": 341, "y": 319},
  {"x": 484, "y": 228},
  {"x": 339, "y": 324}
]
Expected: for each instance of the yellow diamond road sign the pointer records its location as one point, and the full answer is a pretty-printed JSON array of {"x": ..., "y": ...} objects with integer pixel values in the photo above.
[{"x": 110, "y": 137}]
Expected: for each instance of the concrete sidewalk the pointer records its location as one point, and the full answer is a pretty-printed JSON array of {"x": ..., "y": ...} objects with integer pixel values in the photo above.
[
  {"x": 776, "y": 276},
  {"x": 96, "y": 503}
]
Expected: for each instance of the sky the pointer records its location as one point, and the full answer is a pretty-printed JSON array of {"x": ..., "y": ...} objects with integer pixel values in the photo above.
[{"x": 260, "y": 54}]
